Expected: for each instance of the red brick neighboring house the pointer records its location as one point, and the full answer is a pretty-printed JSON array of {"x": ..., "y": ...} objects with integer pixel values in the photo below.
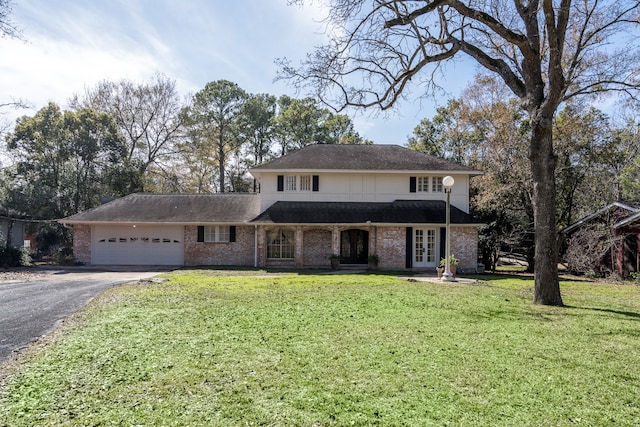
[
  {"x": 621, "y": 241},
  {"x": 350, "y": 200}
]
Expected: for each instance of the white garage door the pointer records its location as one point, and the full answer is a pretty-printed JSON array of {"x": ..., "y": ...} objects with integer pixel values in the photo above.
[{"x": 139, "y": 245}]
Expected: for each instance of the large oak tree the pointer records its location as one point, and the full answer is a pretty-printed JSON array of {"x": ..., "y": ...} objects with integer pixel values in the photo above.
[{"x": 545, "y": 51}]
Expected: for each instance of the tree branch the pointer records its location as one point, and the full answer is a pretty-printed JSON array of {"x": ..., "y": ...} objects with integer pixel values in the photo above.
[{"x": 496, "y": 65}]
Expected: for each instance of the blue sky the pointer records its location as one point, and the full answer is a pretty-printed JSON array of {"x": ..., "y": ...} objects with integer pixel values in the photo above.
[{"x": 74, "y": 44}]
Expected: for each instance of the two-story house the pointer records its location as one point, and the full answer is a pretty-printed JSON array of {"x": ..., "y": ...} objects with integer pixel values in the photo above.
[{"x": 351, "y": 200}]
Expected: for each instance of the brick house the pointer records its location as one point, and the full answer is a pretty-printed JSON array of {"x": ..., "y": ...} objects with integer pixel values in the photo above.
[
  {"x": 615, "y": 231},
  {"x": 351, "y": 200}
]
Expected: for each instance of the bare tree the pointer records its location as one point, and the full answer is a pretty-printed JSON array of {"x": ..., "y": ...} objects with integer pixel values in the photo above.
[
  {"x": 7, "y": 27},
  {"x": 10, "y": 30},
  {"x": 545, "y": 51},
  {"x": 148, "y": 115}
]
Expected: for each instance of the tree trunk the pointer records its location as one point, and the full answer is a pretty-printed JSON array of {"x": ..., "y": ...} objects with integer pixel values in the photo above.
[
  {"x": 547, "y": 286},
  {"x": 221, "y": 160}
]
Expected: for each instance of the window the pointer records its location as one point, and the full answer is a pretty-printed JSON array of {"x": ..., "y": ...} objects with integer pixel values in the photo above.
[
  {"x": 290, "y": 181},
  {"x": 423, "y": 184},
  {"x": 305, "y": 183},
  {"x": 280, "y": 244},
  {"x": 436, "y": 184},
  {"x": 216, "y": 233}
]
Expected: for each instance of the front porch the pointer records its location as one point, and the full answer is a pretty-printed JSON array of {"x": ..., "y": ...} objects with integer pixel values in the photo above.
[{"x": 397, "y": 247}]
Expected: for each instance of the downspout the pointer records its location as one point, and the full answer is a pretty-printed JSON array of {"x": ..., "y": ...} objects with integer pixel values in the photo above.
[{"x": 255, "y": 245}]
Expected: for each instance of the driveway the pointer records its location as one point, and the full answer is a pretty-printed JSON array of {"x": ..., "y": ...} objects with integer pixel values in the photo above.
[{"x": 33, "y": 302}]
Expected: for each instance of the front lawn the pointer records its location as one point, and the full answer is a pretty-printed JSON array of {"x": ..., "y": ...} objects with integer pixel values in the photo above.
[{"x": 207, "y": 349}]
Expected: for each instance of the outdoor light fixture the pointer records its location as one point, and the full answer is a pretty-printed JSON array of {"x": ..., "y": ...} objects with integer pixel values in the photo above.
[{"x": 448, "y": 182}]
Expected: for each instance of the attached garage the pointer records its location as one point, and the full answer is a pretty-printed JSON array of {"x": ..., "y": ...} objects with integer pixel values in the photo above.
[
  {"x": 151, "y": 229},
  {"x": 137, "y": 245}
]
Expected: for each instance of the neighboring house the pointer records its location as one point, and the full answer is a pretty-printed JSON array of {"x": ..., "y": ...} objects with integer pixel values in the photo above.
[
  {"x": 12, "y": 228},
  {"x": 351, "y": 200},
  {"x": 615, "y": 233}
]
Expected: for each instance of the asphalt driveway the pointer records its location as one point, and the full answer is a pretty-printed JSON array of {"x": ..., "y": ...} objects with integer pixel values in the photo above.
[{"x": 33, "y": 303}]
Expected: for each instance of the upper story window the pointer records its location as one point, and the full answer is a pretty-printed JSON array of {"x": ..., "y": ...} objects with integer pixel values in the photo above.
[
  {"x": 436, "y": 184},
  {"x": 290, "y": 181},
  {"x": 426, "y": 184},
  {"x": 423, "y": 184},
  {"x": 298, "y": 183},
  {"x": 305, "y": 183}
]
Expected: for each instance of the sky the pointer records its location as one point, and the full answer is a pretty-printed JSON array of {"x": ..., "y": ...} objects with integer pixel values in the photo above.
[{"x": 71, "y": 45}]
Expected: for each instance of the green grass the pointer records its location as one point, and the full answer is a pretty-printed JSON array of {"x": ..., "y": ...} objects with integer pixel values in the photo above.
[{"x": 206, "y": 349}]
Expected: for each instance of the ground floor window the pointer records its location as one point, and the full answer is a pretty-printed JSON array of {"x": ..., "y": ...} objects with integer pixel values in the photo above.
[
  {"x": 280, "y": 243},
  {"x": 216, "y": 233}
]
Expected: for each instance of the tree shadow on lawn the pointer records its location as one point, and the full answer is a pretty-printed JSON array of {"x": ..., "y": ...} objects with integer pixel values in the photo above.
[{"x": 630, "y": 314}]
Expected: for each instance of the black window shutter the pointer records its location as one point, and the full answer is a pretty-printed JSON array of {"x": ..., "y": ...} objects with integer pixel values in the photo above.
[
  {"x": 316, "y": 183},
  {"x": 280, "y": 182},
  {"x": 409, "y": 250},
  {"x": 232, "y": 233},
  {"x": 412, "y": 184},
  {"x": 443, "y": 241},
  {"x": 201, "y": 233}
]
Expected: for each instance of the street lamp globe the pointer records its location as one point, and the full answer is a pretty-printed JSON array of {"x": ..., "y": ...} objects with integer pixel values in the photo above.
[{"x": 448, "y": 182}]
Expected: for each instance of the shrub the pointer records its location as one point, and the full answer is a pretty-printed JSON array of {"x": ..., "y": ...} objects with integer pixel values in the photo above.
[
  {"x": 65, "y": 256},
  {"x": 14, "y": 257}
]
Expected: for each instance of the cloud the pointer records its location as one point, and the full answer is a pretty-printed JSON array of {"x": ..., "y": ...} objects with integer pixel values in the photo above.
[{"x": 64, "y": 55}]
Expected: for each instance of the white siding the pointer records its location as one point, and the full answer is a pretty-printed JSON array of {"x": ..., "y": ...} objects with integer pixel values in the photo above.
[{"x": 361, "y": 187}]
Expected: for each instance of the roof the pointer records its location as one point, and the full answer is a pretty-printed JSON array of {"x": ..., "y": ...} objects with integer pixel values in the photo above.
[
  {"x": 397, "y": 212},
  {"x": 627, "y": 221},
  {"x": 184, "y": 209},
  {"x": 609, "y": 207},
  {"x": 375, "y": 157}
]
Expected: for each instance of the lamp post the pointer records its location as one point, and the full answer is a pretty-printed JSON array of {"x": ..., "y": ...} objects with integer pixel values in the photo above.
[{"x": 448, "y": 182}]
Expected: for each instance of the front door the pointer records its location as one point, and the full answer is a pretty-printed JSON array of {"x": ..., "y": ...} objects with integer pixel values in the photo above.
[
  {"x": 354, "y": 246},
  {"x": 424, "y": 247}
]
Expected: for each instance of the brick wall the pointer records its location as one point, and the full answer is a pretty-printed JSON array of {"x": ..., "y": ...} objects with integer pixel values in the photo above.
[
  {"x": 387, "y": 242},
  {"x": 240, "y": 252},
  {"x": 464, "y": 245},
  {"x": 391, "y": 247},
  {"x": 82, "y": 243},
  {"x": 317, "y": 247}
]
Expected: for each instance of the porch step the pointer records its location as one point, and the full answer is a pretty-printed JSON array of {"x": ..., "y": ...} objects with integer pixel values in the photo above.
[{"x": 353, "y": 266}]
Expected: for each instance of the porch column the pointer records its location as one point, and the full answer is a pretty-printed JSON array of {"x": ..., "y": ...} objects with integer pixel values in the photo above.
[
  {"x": 335, "y": 240},
  {"x": 619, "y": 239},
  {"x": 262, "y": 246},
  {"x": 298, "y": 261},
  {"x": 373, "y": 240}
]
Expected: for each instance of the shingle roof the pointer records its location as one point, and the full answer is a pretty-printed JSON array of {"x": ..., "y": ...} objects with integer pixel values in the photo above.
[
  {"x": 397, "y": 212},
  {"x": 186, "y": 208},
  {"x": 361, "y": 157},
  {"x": 630, "y": 207}
]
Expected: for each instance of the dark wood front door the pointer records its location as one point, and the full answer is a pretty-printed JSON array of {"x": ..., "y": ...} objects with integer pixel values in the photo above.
[{"x": 354, "y": 247}]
